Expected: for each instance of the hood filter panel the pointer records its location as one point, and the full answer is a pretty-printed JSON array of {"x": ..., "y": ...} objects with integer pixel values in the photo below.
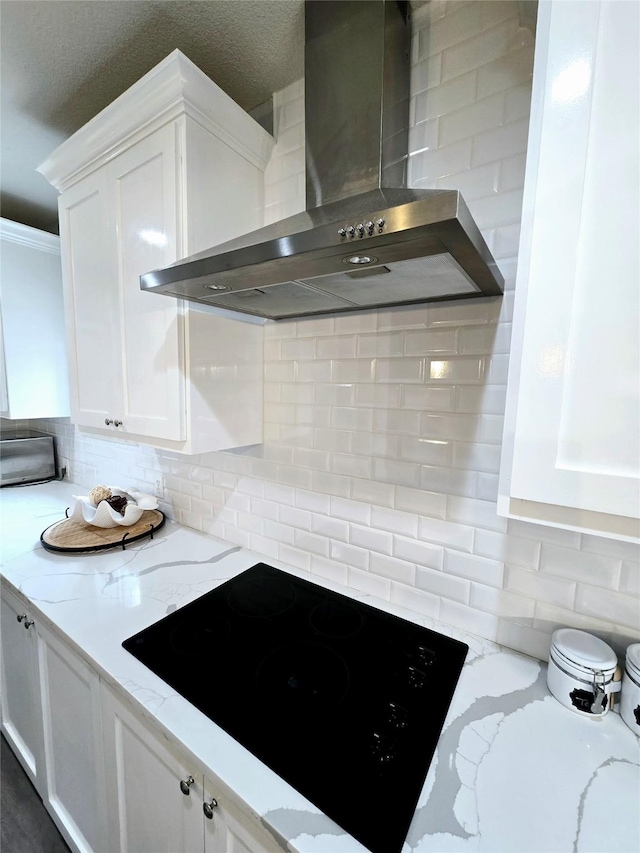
[{"x": 404, "y": 282}]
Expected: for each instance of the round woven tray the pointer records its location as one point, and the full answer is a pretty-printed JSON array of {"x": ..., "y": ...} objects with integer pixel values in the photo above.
[{"x": 69, "y": 537}]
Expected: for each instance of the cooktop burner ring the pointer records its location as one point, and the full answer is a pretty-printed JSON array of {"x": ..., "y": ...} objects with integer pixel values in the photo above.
[
  {"x": 336, "y": 619},
  {"x": 257, "y": 597}
]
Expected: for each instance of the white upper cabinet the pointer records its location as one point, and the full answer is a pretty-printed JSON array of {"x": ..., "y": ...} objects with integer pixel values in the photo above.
[
  {"x": 33, "y": 358},
  {"x": 571, "y": 456},
  {"x": 171, "y": 168}
]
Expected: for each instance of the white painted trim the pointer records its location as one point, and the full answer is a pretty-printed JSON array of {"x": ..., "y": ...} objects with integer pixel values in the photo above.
[
  {"x": 33, "y": 238},
  {"x": 175, "y": 85}
]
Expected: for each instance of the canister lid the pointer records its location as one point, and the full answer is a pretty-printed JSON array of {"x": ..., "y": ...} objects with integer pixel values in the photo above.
[
  {"x": 584, "y": 649},
  {"x": 633, "y": 656}
]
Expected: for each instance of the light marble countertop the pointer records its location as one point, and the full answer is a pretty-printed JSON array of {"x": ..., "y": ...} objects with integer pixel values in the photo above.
[{"x": 513, "y": 771}]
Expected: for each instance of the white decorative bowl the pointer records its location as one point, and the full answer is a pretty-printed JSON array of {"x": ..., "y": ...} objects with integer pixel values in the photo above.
[{"x": 84, "y": 512}]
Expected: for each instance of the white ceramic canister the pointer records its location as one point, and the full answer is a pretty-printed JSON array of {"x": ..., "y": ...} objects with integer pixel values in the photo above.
[
  {"x": 630, "y": 698},
  {"x": 581, "y": 672}
]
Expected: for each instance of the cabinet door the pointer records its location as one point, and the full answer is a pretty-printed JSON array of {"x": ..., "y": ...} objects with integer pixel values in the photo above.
[
  {"x": 144, "y": 197},
  {"x": 147, "y": 811},
  {"x": 230, "y": 829},
  {"x": 70, "y": 696},
  {"x": 21, "y": 722},
  {"x": 87, "y": 246},
  {"x": 577, "y": 387}
]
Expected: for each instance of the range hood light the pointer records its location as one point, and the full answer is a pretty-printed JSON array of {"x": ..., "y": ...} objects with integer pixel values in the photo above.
[
  {"x": 360, "y": 259},
  {"x": 216, "y": 287}
]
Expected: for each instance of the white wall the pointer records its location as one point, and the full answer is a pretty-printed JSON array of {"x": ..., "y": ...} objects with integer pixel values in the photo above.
[{"x": 383, "y": 428}]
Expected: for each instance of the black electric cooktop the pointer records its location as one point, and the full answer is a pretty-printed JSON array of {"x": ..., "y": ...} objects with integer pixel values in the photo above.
[{"x": 343, "y": 701}]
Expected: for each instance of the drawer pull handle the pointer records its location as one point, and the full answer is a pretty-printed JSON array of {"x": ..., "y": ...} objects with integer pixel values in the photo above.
[
  {"x": 21, "y": 617},
  {"x": 108, "y": 421},
  {"x": 208, "y": 808},
  {"x": 28, "y": 623},
  {"x": 117, "y": 423},
  {"x": 185, "y": 784}
]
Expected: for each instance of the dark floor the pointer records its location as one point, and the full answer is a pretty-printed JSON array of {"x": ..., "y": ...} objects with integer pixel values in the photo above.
[{"x": 25, "y": 825}]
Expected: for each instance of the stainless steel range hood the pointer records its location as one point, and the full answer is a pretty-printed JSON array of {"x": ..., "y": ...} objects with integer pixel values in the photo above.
[{"x": 365, "y": 241}]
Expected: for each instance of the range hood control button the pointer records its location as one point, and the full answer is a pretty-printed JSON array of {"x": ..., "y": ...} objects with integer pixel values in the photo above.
[
  {"x": 361, "y": 230},
  {"x": 370, "y": 226},
  {"x": 381, "y": 224},
  {"x": 342, "y": 232},
  {"x": 351, "y": 231}
]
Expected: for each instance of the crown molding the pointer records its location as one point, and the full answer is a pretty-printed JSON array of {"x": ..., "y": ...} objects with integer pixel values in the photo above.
[
  {"x": 175, "y": 86},
  {"x": 24, "y": 235}
]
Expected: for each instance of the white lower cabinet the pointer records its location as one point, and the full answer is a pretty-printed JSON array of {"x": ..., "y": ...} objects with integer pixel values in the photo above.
[
  {"x": 159, "y": 802},
  {"x": 21, "y": 720},
  {"x": 111, "y": 782},
  {"x": 73, "y": 753}
]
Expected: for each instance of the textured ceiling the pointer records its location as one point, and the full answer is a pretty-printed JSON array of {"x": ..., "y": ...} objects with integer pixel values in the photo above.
[{"x": 62, "y": 61}]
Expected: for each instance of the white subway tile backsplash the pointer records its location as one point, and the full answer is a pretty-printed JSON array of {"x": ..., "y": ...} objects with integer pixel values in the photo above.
[
  {"x": 475, "y": 513},
  {"x": 445, "y": 98},
  {"x": 500, "y": 602},
  {"x": 429, "y": 342},
  {"x": 468, "y": 619},
  {"x": 630, "y": 578},
  {"x": 395, "y": 570},
  {"x": 472, "y": 119},
  {"x": 474, "y": 183},
  {"x": 509, "y": 549},
  {"x": 455, "y": 370},
  {"x": 474, "y": 568},
  {"x": 394, "y": 521},
  {"x": 474, "y": 52},
  {"x": 448, "y": 480},
  {"x": 413, "y": 599},
  {"x": 399, "y": 369},
  {"x": 383, "y": 396},
  {"x": 605, "y": 604},
  {"x": 380, "y": 344},
  {"x": 580, "y": 566},
  {"x": 396, "y": 471},
  {"x": 428, "y": 398},
  {"x": 446, "y": 533},
  {"x": 500, "y": 142},
  {"x": 560, "y": 592},
  {"x": 430, "y": 504},
  {"x": 421, "y": 553},
  {"x": 505, "y": 72},
  {"x": 444, "y": 585},
  {"x": 368, "y": 583}
]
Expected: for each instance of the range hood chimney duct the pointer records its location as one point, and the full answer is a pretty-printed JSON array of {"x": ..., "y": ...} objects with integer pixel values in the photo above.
[{"x": 365, "y": 240}]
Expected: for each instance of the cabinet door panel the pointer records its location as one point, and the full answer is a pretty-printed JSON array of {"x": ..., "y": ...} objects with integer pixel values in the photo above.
[
  {"x": 87, "y": 246},
  {"x": 231, "y": 830},
  {"x": 143, "y": 182},
  {"x": 148, "y": 813},
  {"x": 70, "y": 694},
  {"x": 575, "y": 443},
  {"x": 20, "y": 704}
]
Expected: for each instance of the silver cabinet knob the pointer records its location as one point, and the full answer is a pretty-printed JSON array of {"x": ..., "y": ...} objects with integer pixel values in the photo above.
[
  {"x": 108, "y": 421},
  {"x": 185, "y": 784},
  {"x": 29, "y": 623},
  {"x": 117, "y": 423},
  {"x": 208, "y": 808},
  {"x": 21, "y": 617}
]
